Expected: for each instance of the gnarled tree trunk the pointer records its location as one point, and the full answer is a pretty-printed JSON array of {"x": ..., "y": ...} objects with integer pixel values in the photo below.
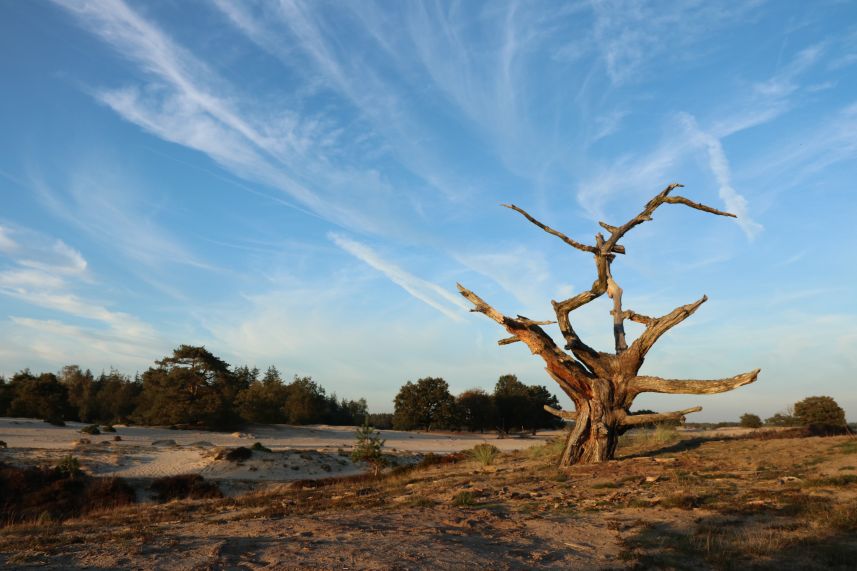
[{"x": 601, "y": 385}]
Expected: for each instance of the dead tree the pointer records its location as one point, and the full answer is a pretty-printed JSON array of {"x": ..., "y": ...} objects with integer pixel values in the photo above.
[{"x": 601, "y": 385}]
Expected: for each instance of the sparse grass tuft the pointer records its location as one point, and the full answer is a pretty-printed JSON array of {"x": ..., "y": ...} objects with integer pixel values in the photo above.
[
  {"x": 68, "y": 466},
  {"x": 843, "y": 480},
  {"x": 463, "y": 499},
  {"x": 484, "y": 453}
]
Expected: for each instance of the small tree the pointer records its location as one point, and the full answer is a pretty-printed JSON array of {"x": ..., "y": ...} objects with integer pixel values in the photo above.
[
  {"x": 425, "y": 404},
  {"x": 368, "y": 447},
  {"x": 822, "y": 415},
  {"x": 749, "y": 420}
]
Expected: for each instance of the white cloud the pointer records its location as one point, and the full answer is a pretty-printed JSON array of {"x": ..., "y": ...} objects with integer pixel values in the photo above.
[{"x": 429, "y": 293}]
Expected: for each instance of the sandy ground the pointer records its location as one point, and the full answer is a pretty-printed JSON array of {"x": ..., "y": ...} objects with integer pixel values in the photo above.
[
  {"x": 685, "y": 502},
  {"x": 297, "y": 452}
]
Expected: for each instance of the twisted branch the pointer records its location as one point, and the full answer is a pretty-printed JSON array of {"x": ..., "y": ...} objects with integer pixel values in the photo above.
[{"x": 646, "y": 384}]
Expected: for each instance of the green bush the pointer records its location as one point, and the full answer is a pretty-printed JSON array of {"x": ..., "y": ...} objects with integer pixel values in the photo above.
[
  {"x": 822, "y": 415},
  {"x": 749, "y": 420},
  {"x": 484, "y": 453}
]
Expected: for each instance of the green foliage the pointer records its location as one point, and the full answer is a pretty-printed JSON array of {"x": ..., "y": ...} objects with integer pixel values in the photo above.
[
  {"x": 68, "y": 466},
  {"x": 425, "y": 404},
  {"x": 38, "y": 397},
  {"x": 263, "y": 401},
  {"x": 476, "y": 410},
  {"x": 521, "y": 407},
  {"x": 749, "y": 420},
  {"x": 368, "y": 447},
  {"x": 822, "y": 415},
  {"x": 783, "y": 419},
  {"x": 382, "y": 420},
  {"x": 484, "y": 453},
  {"x": 191, "y": 387},
  {"x": 92, "y": 429}
]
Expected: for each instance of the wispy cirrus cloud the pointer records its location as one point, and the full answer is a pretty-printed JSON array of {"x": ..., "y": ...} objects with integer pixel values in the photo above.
[{"x": 427, "y": 292}]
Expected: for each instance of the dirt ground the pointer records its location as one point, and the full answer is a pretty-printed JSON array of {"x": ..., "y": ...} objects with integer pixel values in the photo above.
[{"x": 671, "y": 501}]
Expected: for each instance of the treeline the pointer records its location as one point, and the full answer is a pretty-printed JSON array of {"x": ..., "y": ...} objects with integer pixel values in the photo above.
[
  {"x": 190, "y": 388},
  {"x": 513, "y": 406}
]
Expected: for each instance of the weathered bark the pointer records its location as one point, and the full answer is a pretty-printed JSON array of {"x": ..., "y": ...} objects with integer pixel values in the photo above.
[{"x": 601, "y": 385}]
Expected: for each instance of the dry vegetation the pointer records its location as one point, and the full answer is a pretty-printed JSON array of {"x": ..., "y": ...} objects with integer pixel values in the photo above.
[{"x": 670, "y": 501}]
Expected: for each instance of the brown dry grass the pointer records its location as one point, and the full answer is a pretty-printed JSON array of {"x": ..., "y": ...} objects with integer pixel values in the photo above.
[{"x": 669, "y": 502}]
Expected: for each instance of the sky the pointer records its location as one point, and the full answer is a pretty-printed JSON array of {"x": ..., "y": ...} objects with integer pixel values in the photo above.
[{"x": 303, "y": 183}]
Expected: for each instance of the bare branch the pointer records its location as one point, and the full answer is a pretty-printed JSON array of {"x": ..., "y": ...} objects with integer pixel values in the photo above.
[
  {"x": 608, "y": 227},
  {"x": 508, "y": 340},
  {"x": 563, "y": 414},
  {"x": 558, "y": 234},
  {"x": 647, "y": 384},
  {"x": 635, "y": 419},
  {"x": 657, "y": 327},
  {"x": 529, "y": 321},
  {"x": 571, "y": 375},
  {"x": 637, "y": 317},
  {"x": 549, "y": 230},
  {"x": 697, "y": 205}
]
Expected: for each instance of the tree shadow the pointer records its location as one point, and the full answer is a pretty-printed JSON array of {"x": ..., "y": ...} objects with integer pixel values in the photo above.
[{"x": 680, "y": 446}]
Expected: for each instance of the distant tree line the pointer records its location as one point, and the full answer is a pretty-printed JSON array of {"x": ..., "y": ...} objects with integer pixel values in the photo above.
[
  {"x": 514, "y": 406},
  {"x": 190, "y": 388}
]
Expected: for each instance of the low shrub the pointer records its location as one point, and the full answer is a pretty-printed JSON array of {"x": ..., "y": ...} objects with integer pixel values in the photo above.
[
  {"x": 235, "y": 455},
  {"x": 92, "y": 429},
  {"x": 186, "y": 486},
  {"x": 3, "y": 444},
  {"x": 108, "y": 428},
  {"x": 68, "y": 466},
  {"x": 259, "y": 447},
  {"x": 30, "y": 494},
  {"x": 117, "y": 438},
  {"x": 484, "y": 453}
]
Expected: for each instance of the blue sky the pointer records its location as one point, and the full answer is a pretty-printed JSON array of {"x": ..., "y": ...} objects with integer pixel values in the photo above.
[{"x": 302, "y": 184}]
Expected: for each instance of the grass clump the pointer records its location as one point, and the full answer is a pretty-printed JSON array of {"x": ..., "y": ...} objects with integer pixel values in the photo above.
[
  {"x": 259, "y": 447},
  {"x": 68, "y": 466},
  {"x": 92, "y": 430},
  {"x": 463, "y": 499},
  {"x": 484, "y": 453}
]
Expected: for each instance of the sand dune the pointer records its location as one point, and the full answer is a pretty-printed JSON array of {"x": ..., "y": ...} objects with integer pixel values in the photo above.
[{"x": 297, "y": 452}]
